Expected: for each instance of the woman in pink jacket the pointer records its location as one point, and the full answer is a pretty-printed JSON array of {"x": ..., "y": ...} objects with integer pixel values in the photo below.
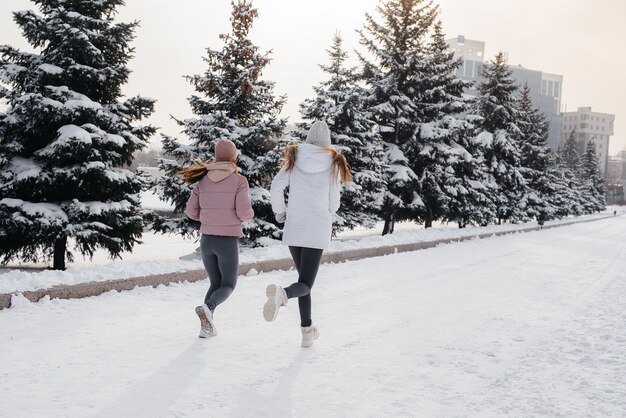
[{"x": 221, "y": 202}]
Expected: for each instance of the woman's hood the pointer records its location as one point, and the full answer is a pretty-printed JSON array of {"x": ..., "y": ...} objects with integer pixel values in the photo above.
[
  {"x": 313, "y": 159},
  {"x": 219, "y": 170}
]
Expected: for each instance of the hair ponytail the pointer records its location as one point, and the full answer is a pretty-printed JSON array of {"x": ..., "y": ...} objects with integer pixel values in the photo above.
[
  {"x": 194, "y": 173},
  {"x": 340, "y": 165},
  {"x": 290, "y": 157}
]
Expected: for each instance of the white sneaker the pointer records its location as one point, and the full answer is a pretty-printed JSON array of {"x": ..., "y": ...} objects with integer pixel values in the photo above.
[
  {"x": 207, "y": 327},
  {"x": 276, "y": 297},
  {"x": 196, "y": 255},
  {"x": 309, "y": 334}
]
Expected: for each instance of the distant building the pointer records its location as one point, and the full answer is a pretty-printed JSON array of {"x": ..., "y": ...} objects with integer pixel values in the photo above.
[
  {"x": 590, "y": 126},
  {"x": 616, "y": 179},
  {"x": 617, "y": 168},
  {"x": 615, "y": 193},
  {"x": 545, "y": 89},
  {"x": 545, "y": 93},
  {"x": 473, "y": 54}
]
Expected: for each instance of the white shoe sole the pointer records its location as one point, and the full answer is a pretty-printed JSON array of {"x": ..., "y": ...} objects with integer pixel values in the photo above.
[
  {"x": 205, "y": 320},
  {"x": 270, "y": 310}
]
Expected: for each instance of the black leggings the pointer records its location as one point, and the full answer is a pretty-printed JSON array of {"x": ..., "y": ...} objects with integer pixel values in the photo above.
[{"x": 307, "y": 261}]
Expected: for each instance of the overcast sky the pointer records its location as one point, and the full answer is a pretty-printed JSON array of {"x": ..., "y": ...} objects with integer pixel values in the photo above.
[{"x": 579, "y": 39}]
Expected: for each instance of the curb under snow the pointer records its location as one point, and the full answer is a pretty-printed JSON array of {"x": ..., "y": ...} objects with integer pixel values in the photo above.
[{"x": 84, "y": 290}]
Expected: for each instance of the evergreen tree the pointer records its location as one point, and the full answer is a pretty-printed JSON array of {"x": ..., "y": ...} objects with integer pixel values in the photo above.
[
  {"x": 394, "y": 78},
  {"x": 569, "y": 162},
  {"x": 592, "y": 179},
  {"x": 232, "y": 102},
  {"x": 339, "y": 102},
  {"x": 500, "y": 136},
  {"x": 535, "y": 159},
  {"x": 471, "y": 189},
  {"x": 569, "y": 153},
  {"x": 561, "y": 197},
  {"x": 450, "y": 177},
  {"x": 66, "y": 134}
]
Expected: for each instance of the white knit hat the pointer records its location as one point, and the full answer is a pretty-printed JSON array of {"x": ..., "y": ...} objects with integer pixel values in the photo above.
[{"x": 319, "y": 134}]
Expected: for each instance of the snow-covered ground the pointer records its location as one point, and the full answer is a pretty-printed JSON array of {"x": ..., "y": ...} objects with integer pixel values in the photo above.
[
  {"x": 149, "y": 200},
  {"x": 522, "y": 325},
  {"x": 160, "y": 254}
]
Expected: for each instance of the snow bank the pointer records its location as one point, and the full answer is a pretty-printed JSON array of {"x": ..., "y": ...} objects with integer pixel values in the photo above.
[
  {"x": 12, "y": 280},
  {"x": 160, "y": 254}
]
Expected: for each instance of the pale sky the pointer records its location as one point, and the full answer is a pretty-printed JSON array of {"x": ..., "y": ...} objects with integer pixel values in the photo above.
[{"x": 581, "y": 40}]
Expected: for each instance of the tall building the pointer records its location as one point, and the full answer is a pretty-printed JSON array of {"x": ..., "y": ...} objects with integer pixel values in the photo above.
[
  {"x": 545, "y": 89},
  {"x": 590, "y": 126},
  {"x": 473, "y": 54},
  {"x": 545, "y": 93},
  {"x": 617, "y": 167},
  {"x": 616, "y": 181}
]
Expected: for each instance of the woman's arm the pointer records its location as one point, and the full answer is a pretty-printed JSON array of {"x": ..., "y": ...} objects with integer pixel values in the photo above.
[
  {"x": 334, "y": 198},
  {"x": 243, "y": 205},
  {"x": 277, "y": 191},
  {"x": 193, "y": 205}
]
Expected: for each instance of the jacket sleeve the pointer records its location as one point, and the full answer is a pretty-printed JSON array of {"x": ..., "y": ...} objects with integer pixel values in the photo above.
[
  {"x": 277, "y": 191},
  {"x": 334, "y": 198},
  {"x": 193, "y": 205},
  {"x": 243, "y": 204}
]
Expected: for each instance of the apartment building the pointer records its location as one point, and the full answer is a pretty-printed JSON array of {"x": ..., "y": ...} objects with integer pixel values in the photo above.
[
  {"x": 545, "y": 88},
  {"x": 590, "y": 126}
]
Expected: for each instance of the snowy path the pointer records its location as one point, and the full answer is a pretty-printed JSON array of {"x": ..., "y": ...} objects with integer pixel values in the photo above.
[{"x": 523, "y": 325}]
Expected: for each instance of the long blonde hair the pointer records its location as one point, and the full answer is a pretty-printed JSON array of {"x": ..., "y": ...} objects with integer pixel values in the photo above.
[
  {"x": 340, "y": 164},
  {"x": 195, "y": 173}
]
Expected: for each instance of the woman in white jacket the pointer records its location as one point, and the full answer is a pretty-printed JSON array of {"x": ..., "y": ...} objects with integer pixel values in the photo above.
[{"x": 313, "y": 172}]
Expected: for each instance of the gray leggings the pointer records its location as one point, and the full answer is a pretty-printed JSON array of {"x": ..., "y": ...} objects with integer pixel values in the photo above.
[{"x": 220, "y": 256}]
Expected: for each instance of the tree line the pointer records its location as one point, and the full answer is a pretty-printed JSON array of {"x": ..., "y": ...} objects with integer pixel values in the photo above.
[{"x": 419, "y": 147}]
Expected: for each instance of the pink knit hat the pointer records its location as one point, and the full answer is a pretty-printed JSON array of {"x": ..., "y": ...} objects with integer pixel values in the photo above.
[{"x": 225, "y": 150}]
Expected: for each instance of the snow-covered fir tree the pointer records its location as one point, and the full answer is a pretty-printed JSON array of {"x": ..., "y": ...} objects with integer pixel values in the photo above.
[
  {"x": 499, "y": 136},
  {"x": 569, "y": 164},
  {"x": 593, "y": 182},
  {"x": 450, "y": 177},
  {"x": 67, "y": 132},
  {"x": 393, "y": 71},
  {"x": 235, "y": 103},
  {"x": 569, "y": 153},
  {"x": 471, "y": 189},
  {"x": 536, "y": 159},
  {"x": 339, "y": 101},
  {"x": 561, "y": 198}
]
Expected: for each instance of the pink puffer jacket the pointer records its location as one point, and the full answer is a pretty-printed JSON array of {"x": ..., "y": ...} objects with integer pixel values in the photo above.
[{"x": 221, "y": 204}]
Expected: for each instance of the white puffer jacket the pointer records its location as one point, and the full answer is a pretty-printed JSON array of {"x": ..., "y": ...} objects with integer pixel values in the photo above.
[{"x": 314, "y": 195}]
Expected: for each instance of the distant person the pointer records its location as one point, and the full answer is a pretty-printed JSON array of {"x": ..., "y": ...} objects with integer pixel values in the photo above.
[
  {"x": 221, "y": 202},
  {"x": 614, "y": 212},
  {"x": 541, "y": 220},
  {"x": 313, "y": 172}
]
